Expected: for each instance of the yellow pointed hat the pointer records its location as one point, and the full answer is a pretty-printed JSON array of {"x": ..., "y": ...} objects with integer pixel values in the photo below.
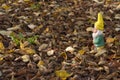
[{"x": 99, "y": 24}]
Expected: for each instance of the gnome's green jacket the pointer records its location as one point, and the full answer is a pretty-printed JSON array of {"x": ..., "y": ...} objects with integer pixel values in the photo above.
[{"x": 99, "y": 41}]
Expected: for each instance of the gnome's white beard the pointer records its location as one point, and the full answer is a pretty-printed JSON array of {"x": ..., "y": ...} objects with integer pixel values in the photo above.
[{"x": 99, "y": 32}]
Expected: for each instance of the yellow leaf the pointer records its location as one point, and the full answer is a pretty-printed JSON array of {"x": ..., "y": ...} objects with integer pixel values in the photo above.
[
  {"x": 1, "y": 46},
  {"x": 22, "y": 45},
  {"x": 46, "y": 30},
  {"x": 81, "y": 51},
  {"x": 110, "y": 40},
  {"x": 62, "y": 74},
  {"x": 1, "y": 58},
  {"x": 108, "y": 1},
  {"x": 11, "y": 51},
  {"x": 40, "y": 63},
  {"x": 26, "y": 0},
  {"x": 6, "y": 7},
  {"x": 29, "y": 51}
]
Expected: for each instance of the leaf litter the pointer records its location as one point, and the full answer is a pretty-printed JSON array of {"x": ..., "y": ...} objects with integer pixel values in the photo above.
[{"x": 51, "y": 40}]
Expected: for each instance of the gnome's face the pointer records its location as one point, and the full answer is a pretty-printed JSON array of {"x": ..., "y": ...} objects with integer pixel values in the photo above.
[
  {"x": 94, "y": 30},
  {"x": 96, "y": 33}
]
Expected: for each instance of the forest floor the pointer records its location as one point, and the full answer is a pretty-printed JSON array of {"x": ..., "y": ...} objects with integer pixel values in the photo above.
[{"x": 50, "y": 40}]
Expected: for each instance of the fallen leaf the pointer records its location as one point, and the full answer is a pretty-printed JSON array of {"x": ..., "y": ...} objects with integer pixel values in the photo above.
[
  {"x": 99, "y": 69},
  {"x": 1, "y": 57},
  {"x": 46, "y": 30},
  {"x": 27, "y": 0},
  {"x": 118, "y": 7},
  {"x": 106, "y": 68},
  {"x": 117, "y": 29},
  {"x": 32, "y": 26},
  {"x": 43, "y": 46},
  {"x": 62, "y": 74},
  {"x": 1, "y": 46},
  {"x": 64, "y": 55},
  {"x": 50, "y": 52},
  {"x": 7, "y": 33},
  {"x": 25, "y": 58},
  {"x": 117, "y": 16},
  {"x": 81, "y": 52},
  {"x": 110, "y": 40},
  {"x": 5, "y": 6},
  {"x": 14, "y": 28},
  {"x": 41, "y": 66},
  {"x": 40, "y": 63},
  {"x": 22, "y": 45},
  {"x": 29, "y": 50},
  {"x": 69, "y": 49},
  {"x": 36, "y": 57},
  {"x": 89, "y": 29}
]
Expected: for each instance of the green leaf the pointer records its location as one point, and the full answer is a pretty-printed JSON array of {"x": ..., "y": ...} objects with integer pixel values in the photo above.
[
  {"x": 15, "y": 39},
  {"x": 20, "y": 36},
  {"x": 32, "y": 39},
  {"x": 35, "y": 6}
]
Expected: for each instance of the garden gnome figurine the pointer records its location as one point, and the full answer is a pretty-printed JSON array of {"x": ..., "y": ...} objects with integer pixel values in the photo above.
[{"x": 98, "y": 37}]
